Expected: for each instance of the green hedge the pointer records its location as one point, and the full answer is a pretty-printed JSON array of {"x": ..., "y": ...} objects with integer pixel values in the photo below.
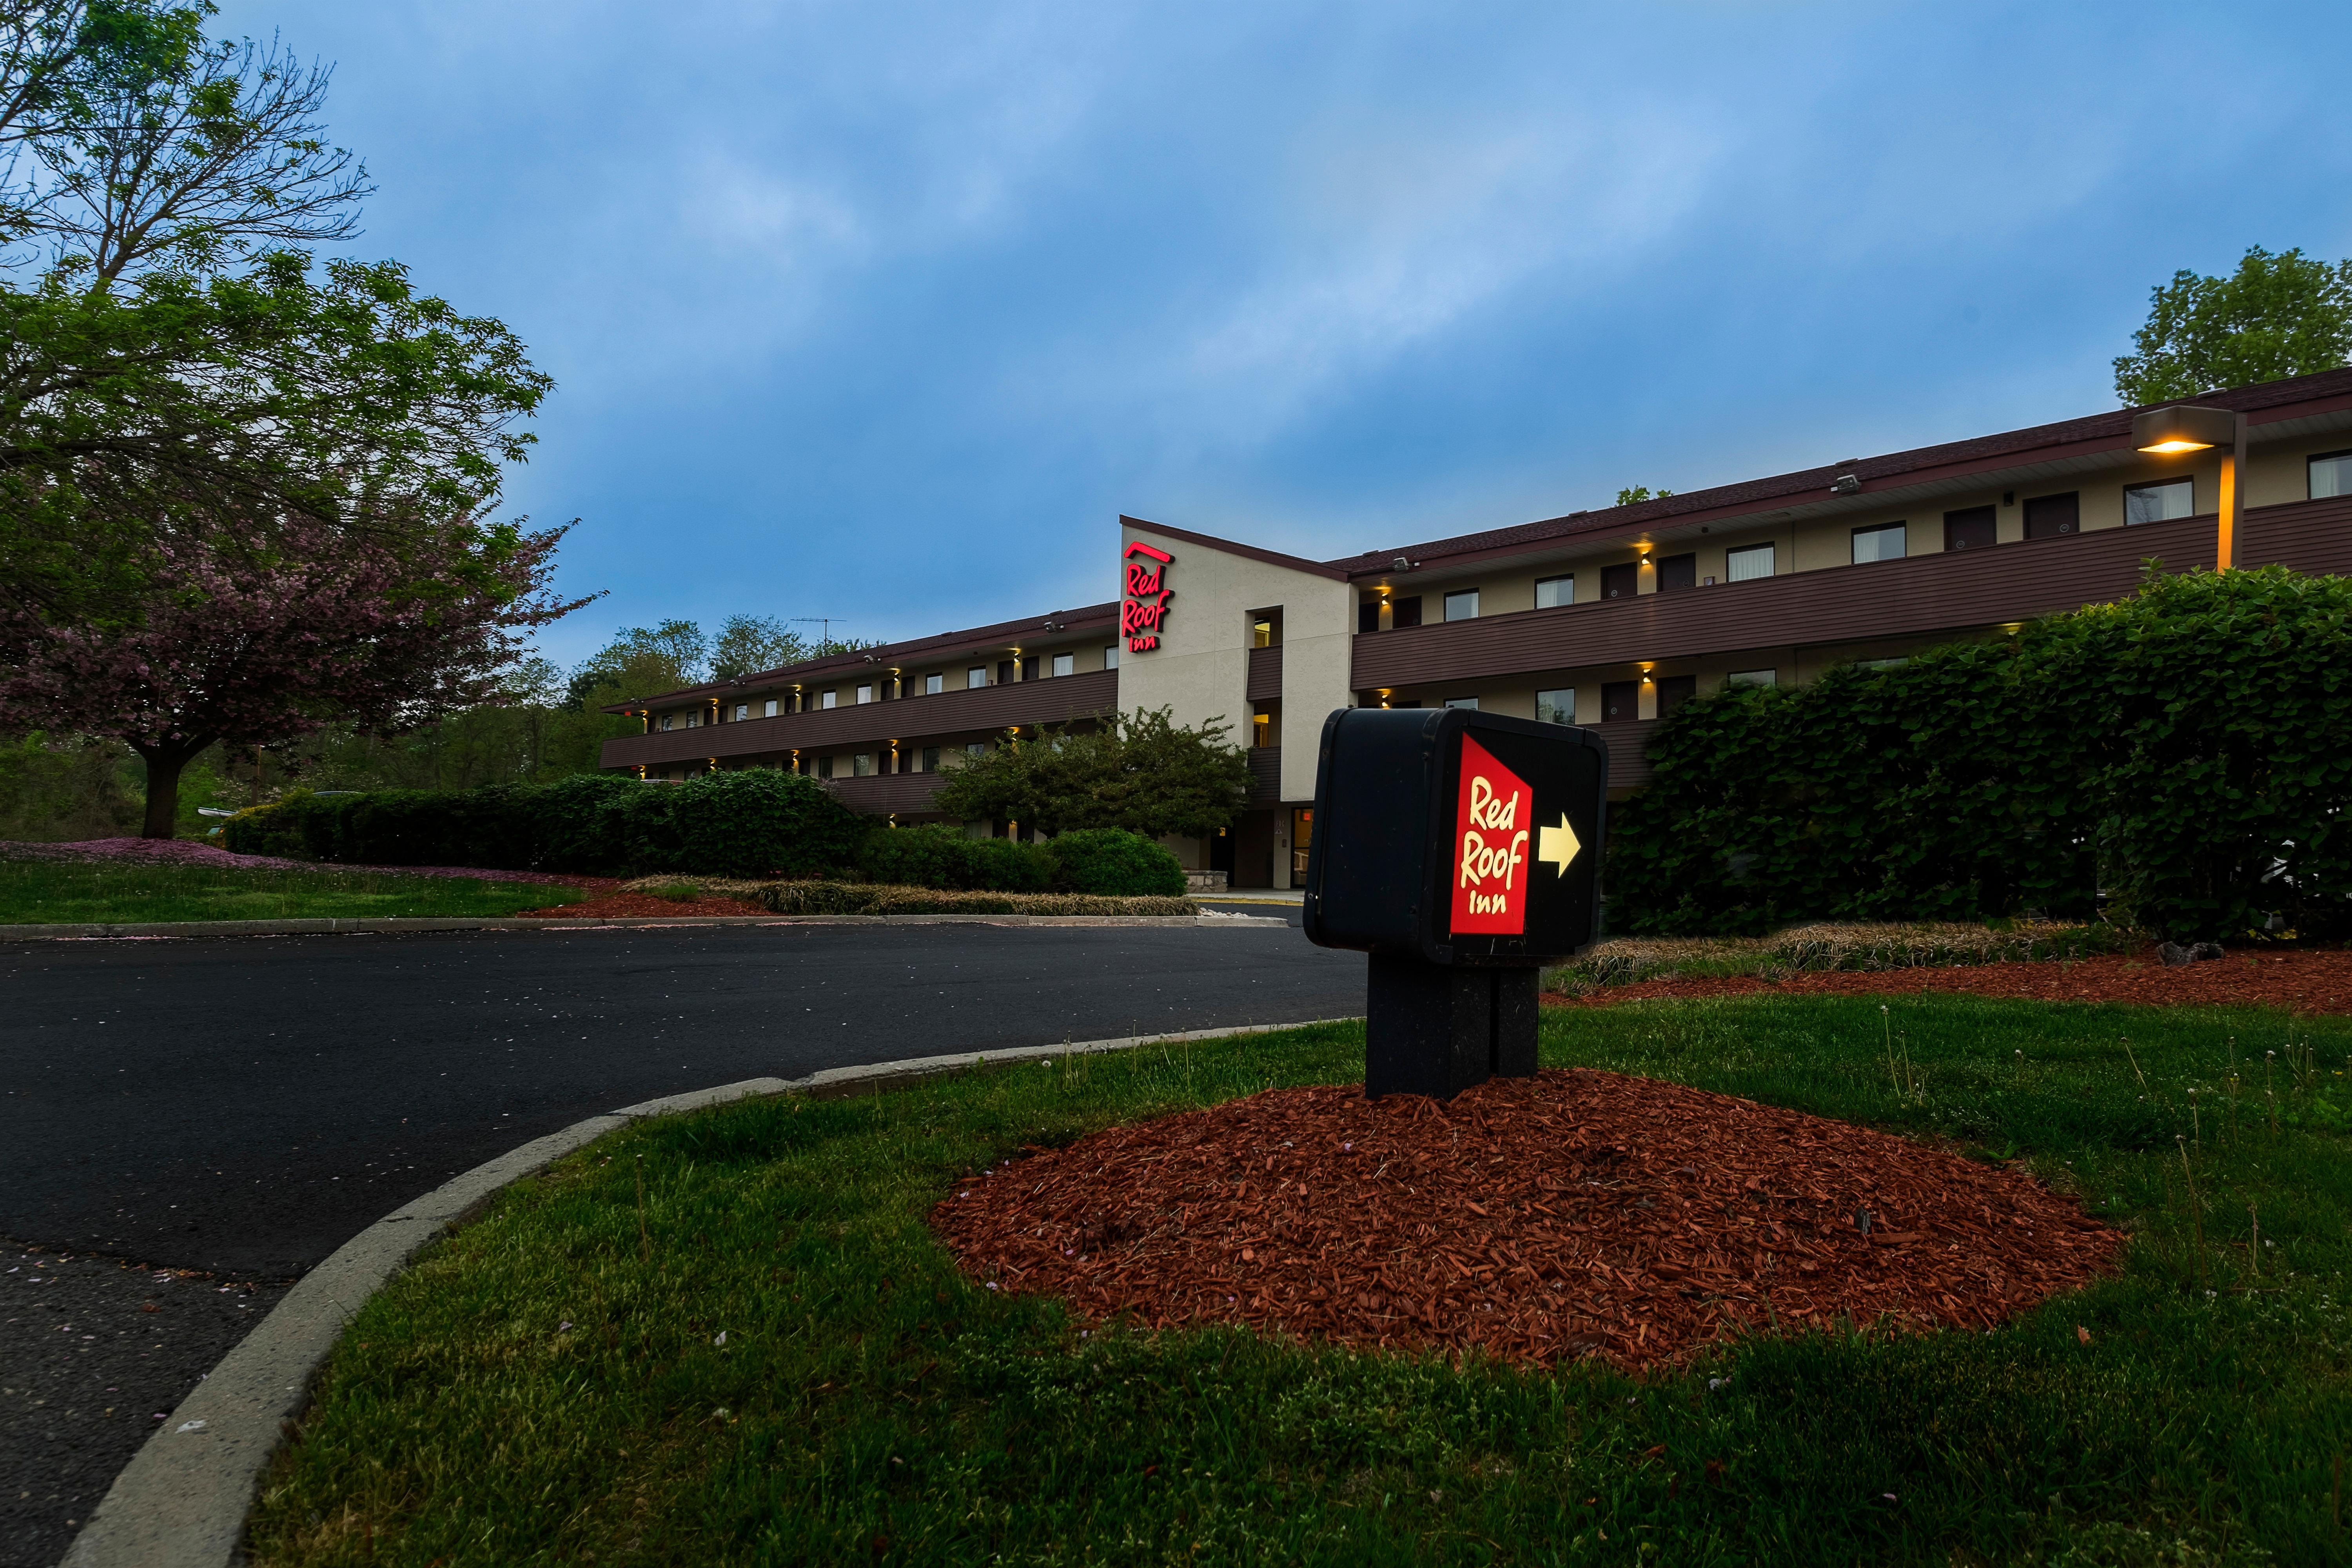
[
  {"x": 1115, "y": 863},
  {"x": 876, "y": 898},
  {"x": 2186, "y": 753},
  {"x": 755, "y": 822},
  {"x": 945, "y": 858}
]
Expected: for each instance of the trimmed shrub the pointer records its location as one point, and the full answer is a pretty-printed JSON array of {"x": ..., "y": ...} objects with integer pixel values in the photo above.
[
  {"x": 1115, "y": 863},
  {"x": 2185, "y": 755},
  {"x": 877, "y": 898},
  {"x": 756, "y": 822},
  {"x": 935, "y": 856}
]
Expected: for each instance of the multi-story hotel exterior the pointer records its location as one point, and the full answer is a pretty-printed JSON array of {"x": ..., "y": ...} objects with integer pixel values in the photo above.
[{"x": 1609, "y": 617}]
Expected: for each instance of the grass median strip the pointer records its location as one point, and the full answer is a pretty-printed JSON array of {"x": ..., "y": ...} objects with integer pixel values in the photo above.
[
  {"x": 731, "y": 1337},
  {"x": 52, "y": 892}
]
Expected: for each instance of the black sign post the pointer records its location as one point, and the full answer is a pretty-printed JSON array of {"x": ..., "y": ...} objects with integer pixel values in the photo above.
[{"x": 1461, "y": 850}]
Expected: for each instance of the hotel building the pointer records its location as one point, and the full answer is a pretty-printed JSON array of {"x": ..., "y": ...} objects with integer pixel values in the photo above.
[{"x": 1609, "y": 617}]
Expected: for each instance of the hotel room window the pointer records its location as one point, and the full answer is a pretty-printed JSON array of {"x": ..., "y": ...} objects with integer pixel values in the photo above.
[
  {"x": 976, "y": 748},
  {"x": 666, "y": 721},
  {"x": 694, "y": 720},
  {"x": 866, "y": 694},
  {"x": 934, "y": 683},
  {"x": 1110, "y": 657},
  {"x": 1748, "y": 563},
  {"x": 1556, "y": 707},
  {"x": 861, "y": 765},
  {"x": 931, "y": 759},
  {"x": 1462, "y": 604},
  {"x": 975, "y": 678},
  {"x": 2330, "y": 474},
  {"x": 742, "y": 712},
  {"x": 770, "y": 709},
  {"x": 1260, "y": 634},
  {"x": 1552, "y": 593},
  {"x": 825, "y": 767},
  {"x": 1261, "y": 729},
  {"x": 1880, "y": 541},
  {"x": 1469, "y": 702},
  {"x": 829, "y": 700},
  {"x": 2159, "y": 502},
  {"x": 1753, "y": 678},
  {"x": 1066, "y": 664}
]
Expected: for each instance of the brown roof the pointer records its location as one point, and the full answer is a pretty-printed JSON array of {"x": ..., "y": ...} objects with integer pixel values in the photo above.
[
  {"x": 2091, "y": 432},
  {"x": 883, "y": 654}
]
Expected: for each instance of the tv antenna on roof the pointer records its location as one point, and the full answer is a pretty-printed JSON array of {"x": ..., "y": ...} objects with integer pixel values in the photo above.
[{"x": 823, "y": 624}]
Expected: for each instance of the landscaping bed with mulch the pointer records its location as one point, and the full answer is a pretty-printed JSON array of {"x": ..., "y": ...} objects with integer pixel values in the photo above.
[
  {"x": 623, "y": 905},
  {"x": 1538, "y": 1219},
  {"x": 2298, "y": 981}
]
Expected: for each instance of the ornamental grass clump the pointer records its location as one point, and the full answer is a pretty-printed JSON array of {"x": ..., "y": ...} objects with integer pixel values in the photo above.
[{"x": 824, "y": 898}]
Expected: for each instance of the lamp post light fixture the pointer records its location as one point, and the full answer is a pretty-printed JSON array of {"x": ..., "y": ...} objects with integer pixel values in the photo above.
[{"x": 2165, "y": 432}]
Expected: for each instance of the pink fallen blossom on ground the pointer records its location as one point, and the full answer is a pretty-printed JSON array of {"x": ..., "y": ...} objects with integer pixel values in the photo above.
[{"x": 187, "y": 852}]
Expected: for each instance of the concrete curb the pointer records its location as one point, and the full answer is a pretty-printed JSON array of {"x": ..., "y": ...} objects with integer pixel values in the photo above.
[
  {"x": 183, "y": 1500},
  {"x": 329, "y": 926}
]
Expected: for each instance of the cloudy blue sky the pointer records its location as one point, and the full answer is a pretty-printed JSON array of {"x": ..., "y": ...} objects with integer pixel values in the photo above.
[{"x": 884, "y": 312}]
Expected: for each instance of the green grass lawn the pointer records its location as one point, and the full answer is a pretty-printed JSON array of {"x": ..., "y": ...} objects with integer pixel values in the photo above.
[
  {"x": 552, "y": 1384},
  {"x": 52, "y": 891}
]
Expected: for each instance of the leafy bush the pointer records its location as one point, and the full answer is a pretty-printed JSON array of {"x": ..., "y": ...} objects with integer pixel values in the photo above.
[
  {"x": 755, "y": 822},
  {"x": 879, "y": 899},
  {"x": 2186, "y": 753},
  {"x": 1113, "y": 861},
  {"x": 59, "y": 789},
  {"x": 936, "y": 857}
]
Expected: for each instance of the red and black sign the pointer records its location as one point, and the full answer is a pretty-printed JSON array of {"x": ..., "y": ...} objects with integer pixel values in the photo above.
[{"x": 1457, "y": 836}]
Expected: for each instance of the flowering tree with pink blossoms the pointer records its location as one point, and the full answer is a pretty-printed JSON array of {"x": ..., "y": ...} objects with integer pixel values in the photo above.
[{"x": 254, "y": 636}]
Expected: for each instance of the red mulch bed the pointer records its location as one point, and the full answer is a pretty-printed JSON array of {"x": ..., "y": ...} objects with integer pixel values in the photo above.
[
  {"x": 619, "y": 906},
  {"x": 2300, "y": 981},
  {"x": 1538, "y": 1219}
]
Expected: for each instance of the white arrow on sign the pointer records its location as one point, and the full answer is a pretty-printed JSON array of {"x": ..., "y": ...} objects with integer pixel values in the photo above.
[{"x": 1557, "y": 846}]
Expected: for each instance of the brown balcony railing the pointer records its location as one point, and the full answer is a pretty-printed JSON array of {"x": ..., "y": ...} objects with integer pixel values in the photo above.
[
  {"x": 909, "y": 795},
  {"x": 1266, "y": 775},
  {"x": 875, "y": 724},
  {"x": 1265, "y": 679},
  {"x": 1921, "y": 595}
]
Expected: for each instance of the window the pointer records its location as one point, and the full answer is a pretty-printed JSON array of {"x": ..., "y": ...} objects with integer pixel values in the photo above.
[
  {"x": 862, "y": 765},
  {"x": 2330, "y": 474},
  {"x": 1556, "y": 707},
  {"x": 769, "y": 707},
  {"x": 667, "y": 720},
  {"x": 1881, "y": 542},
  {"x": 1880, "y": 663},
  {"x": 1621, "y": 582},
  {"x": 1110, "y": 657},
  {"x": 1302, "y": 843},
  {"x": 976, "y": 748},
  {"x": 1469, "y": 702},
  {"x": 2160, "y": 502},
  {"x": 1066, "y": 664},
  {"x": 1674, "y": 690},
  {"x": 1403, "y": 613},
  {"x": 1620, "y": 700},
  {"x": 828, "y": 699},
  {"x": 1261, "y": 729},
  {"x": 825, "y": 767},
  {"x": 1753, "y": 678},
  {"x": 1748, "y": 563},
  {"x": 977, "y": 676},
  {"x": 931, "y": 759},
  {"x": 2047, "y": 517},
  {"x": 1260, "y": 634},
  {"x": 1552, "y": 593},
  {"x": 1677, "y": 573},
  {"x": 1462, "y": 604},
  {"x": 694, "y": 720},
  {"x": 934, "y": 683},
  {"x": 1973, "y": 528},
  {"x": 742, "y": 712},
  {"x": 866, "y": 694}
]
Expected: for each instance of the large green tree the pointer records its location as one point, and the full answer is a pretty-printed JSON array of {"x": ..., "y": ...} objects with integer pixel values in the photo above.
[
  {"x": 2275, "y": 317},
  {"x": 1141, "y": 772}
]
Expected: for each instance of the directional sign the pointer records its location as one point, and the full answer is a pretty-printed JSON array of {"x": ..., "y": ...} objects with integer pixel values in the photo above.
[{"x": 1460, "y": 836}]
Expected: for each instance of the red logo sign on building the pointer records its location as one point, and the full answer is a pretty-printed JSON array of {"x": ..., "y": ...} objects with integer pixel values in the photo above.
[
  {"x": 1144, "y": 607},
  {"x": 1490, "y": 840}
]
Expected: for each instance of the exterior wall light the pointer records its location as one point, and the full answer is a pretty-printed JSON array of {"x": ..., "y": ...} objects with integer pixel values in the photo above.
[{"x": 2184, "y": 428}]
